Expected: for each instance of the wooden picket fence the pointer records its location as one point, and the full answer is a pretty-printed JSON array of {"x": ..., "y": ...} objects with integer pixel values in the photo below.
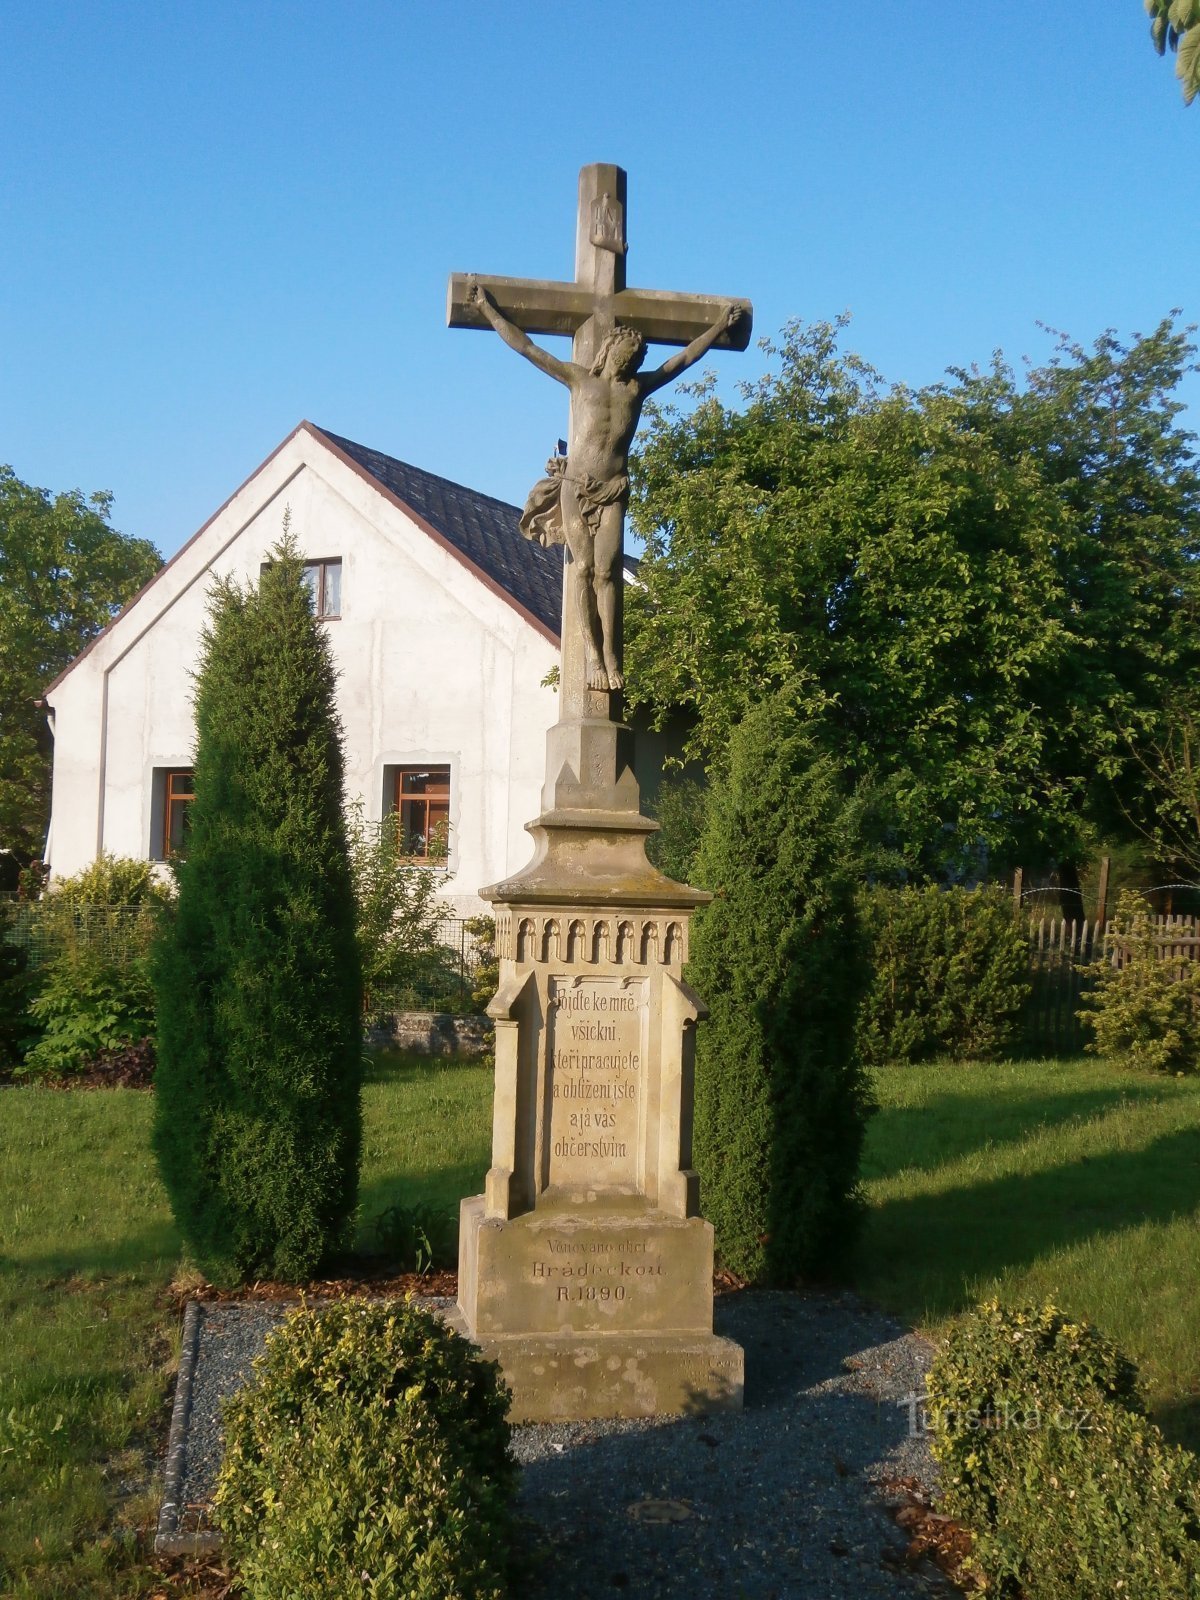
[{"x": 1060, "y": 951}]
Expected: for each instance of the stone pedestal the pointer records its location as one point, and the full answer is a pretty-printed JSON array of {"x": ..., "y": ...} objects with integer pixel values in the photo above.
[{"x": 585, "y": 1268}]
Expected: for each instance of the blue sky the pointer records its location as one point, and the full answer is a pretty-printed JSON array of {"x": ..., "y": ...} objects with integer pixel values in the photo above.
[{"x": 220, "y": 218}]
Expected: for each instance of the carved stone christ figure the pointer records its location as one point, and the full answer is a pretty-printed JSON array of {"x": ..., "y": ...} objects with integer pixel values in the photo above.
[{"x": 583, "y": 497}]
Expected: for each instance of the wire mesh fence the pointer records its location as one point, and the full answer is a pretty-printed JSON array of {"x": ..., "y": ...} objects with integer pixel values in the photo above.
[
  {"x": 439, "y": 974},
  {"x": 45, "y": 928},
  {"x": 440, "y": 977}
]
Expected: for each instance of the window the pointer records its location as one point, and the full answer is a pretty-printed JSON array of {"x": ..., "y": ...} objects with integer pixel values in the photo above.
[
  {"x": 178, "y": 793},
  {"x": 422, "y": 799},
  {"x": 324, "y": 580}
]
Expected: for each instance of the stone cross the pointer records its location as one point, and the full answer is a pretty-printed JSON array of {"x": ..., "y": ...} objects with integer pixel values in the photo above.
[
  {"x": 589, "y": 309},
  {"x": 585, "y": 1267}
]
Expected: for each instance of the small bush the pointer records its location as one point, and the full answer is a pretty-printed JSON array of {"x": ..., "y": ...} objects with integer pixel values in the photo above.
[
  {"x": 368, "y": 1457},
  {"x": 85, "y": 1005},
  {"x": 485, "y": 974},
  {"x": 1144, "y": 1014},
  {"x": 397, "y": 912},
  {"x": 1110, "y": 1509},
  {"x": 1071, "y": 1493},
  {"x": 1005, "y": 1365},
  {"x": 949, "y": 974},
  {"x": 111, "y": 881}
]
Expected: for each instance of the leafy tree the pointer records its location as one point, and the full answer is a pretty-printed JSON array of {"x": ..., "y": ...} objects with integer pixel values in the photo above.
[
  {"x": 973, "y": 585},
  {"x": 258, "y": 1122},
  {"x": 1102, "y": 426},
  {"x": 1177, "y": 23},
  {"x": 65, "y": 572},
  {"x": 781, "y": 1101}
]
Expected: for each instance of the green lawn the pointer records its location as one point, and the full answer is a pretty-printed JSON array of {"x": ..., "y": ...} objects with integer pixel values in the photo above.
[
  {"x": 88, "y": 1338},
  {"x": 1052, "y": 1178},
  {"x": 1064, "y": 1180}
]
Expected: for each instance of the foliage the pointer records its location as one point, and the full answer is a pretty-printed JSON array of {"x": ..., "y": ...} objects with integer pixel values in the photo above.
[
  {"x": 948, "y": 974},
  {"x": 403, "y": 1488},
  {"x": 781, "y": 1102},
  {"x": 1003, "y": 1368},
  {"x": 974, "y": 584},
  {"x": 64, "y": 574},
  {"x": 14, "y": 990},
  {"x": 1177, "y": 23},
  {"x": 1071, "y": 1493},
  {"x": 679, "y": 811},
  {"x": 259, "y": 993},
  {"x": 107, "y": 916},
  {"x": 397, "y": 911},
  {"x": 418, "y": 1237},
  {"x": 112, "y": 881},
  {"x": 485, "y": 975},
  {"x": 126, "y": 1066},
  {"x": 1144, "y": 1013},
  {"x": 84, "y": 1005},
  {"x": 1166, "y": 754}
]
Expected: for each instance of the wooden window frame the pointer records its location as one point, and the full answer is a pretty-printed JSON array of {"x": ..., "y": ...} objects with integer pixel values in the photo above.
[
  {"x": 171, "y": 799},
  {"x": 405, "y": 805},
  {"x": 321, "y": 567}
]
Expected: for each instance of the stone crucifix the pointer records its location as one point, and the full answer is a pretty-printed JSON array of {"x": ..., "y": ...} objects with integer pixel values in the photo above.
[{"x": 581, "y": 502}]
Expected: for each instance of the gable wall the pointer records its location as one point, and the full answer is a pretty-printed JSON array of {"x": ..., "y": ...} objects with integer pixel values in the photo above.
[{"x": 434, "y": 667}]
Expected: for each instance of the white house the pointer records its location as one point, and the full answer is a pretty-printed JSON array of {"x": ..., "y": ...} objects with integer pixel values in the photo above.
[{"x": 443, "y": 622}]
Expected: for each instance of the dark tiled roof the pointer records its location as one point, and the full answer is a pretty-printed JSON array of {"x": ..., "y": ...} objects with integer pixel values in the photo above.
[{"x": 485, "y": 530}]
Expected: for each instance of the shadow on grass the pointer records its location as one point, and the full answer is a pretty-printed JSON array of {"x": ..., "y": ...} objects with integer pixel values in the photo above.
[
  {"x": 926, "y": 1136},
  {"x": 398, "y": 1066},
  {"x": 1180, "y": 1421},
  {"x": 932, "y": 1250},
  {"x": 145, "y": 1255}
]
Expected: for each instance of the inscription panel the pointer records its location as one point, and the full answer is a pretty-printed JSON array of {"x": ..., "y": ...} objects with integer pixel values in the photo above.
[{"x": 597, "y": 1035}]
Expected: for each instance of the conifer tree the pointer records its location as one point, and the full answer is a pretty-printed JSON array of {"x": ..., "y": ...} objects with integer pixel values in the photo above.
[
  {"x": 258, "y": 1123},
  {"x": 781, "y": 1100}
]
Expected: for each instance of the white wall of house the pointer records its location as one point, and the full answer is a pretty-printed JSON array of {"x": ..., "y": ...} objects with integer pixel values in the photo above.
[{"x": 434, "y": 667}]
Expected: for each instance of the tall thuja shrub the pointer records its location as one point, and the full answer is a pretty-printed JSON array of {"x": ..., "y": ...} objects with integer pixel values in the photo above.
[
  {"x": 781, "y": 1101},
  {"x": 258, "y": 1122}
]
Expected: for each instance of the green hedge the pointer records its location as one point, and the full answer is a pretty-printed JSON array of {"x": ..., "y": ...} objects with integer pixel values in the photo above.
[
  {"x": 369, "y": 1457},
  {"x": 949, "y": 974}
]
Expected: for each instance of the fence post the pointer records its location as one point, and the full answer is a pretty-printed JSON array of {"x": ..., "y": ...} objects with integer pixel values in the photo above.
[
  {"x": 1102, "y": 892},
  {"x": 1018, "y": 885}
]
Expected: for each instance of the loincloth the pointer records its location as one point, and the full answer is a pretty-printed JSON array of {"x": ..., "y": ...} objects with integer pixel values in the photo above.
[{"x": 541, "y": 519}]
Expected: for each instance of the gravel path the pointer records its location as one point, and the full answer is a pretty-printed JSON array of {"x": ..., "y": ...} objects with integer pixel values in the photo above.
[{"x": 770, "y": 1504}]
